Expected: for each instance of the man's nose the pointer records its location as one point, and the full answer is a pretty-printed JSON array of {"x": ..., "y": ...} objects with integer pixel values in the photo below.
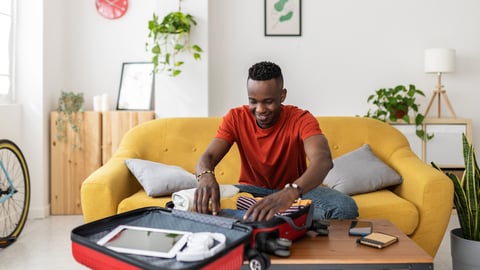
[{"x": 260, "y": 107}]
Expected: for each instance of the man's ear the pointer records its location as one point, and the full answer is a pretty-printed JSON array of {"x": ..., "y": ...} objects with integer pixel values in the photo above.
[{"x": 284, "y": 95}]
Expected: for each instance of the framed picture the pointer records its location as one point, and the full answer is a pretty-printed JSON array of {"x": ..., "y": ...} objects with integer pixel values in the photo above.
[
  {"x": 136, "y": 86},
  {"x": 283, "y": 18}
]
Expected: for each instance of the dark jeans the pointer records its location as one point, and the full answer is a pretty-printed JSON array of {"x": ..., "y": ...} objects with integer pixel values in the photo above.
[{"x": 328, "y": 203}]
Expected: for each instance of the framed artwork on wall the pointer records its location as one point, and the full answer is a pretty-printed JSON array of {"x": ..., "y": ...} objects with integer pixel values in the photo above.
[
  {"x": 283, "y": 17},
  {"x": 136, "y": 86}
]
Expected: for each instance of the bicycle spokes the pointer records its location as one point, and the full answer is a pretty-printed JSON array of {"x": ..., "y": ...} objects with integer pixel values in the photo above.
[{"x": 14, "y": 192}]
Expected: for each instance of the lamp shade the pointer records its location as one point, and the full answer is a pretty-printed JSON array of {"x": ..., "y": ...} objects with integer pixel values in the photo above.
[{"x": 439, "y": 60}]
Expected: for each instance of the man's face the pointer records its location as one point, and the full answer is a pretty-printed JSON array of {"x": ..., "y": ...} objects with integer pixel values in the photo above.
[{"x": 265, "y": 99}]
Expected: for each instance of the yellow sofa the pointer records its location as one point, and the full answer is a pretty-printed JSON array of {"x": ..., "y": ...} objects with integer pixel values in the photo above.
[{"x": 420, "y": 206}]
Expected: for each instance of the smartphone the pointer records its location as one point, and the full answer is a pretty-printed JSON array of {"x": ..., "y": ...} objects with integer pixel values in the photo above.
[{"x": 360, "y": 228}]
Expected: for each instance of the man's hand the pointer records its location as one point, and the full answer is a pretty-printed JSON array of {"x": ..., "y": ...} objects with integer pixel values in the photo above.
[
  {"x": 207, "y": 190},
  {"x": 274, "y": 203}
]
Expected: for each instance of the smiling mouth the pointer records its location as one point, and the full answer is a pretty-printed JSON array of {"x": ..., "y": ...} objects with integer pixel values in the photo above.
[{"x": 262, "y": 117}]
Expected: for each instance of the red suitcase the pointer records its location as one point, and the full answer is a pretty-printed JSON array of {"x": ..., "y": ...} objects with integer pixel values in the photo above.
[
  {"x": 86, "y": 251},
  {"x": 275, "y": 236}
]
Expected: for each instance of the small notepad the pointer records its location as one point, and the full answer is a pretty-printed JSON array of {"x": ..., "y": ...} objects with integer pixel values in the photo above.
[{"x": 378, "y": 239}]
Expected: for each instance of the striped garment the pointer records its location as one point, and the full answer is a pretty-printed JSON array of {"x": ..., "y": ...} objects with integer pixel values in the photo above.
[{"x": 244, "y": 203}]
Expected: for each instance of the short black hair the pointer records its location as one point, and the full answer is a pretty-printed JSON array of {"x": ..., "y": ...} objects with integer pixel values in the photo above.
[{"x": 264, "y": 71}]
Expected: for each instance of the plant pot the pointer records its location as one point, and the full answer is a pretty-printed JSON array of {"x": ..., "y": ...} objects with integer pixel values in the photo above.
[
  {"x": 465, "y": 253},
  {"x": 399, "y": 114},
  {"x": 401, "y": 110}
]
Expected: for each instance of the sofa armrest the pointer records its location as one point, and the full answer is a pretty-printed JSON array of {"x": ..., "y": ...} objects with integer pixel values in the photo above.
[
  {"x": 431, "y": 191},
  {"x": 105, "y": 188}
]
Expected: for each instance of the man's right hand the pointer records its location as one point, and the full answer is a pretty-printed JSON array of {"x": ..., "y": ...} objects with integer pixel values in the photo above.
[{"x": 207, "y": 191}]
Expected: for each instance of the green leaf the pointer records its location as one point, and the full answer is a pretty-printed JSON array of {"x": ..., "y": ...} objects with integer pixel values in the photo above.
[
  {"x": 197, "y": 48},
  {"x": 176, "y": 72},
  {"x": 419, "y": 119},
  {"x": 156, "y": 49},
  {"x": 178, "y": 47},
  {"x": 167, "y": 58}
]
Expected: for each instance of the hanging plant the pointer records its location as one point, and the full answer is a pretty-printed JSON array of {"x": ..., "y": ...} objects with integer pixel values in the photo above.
[
  {"x": 170, "y": 38},
  {"x": 70, "y": 104}
]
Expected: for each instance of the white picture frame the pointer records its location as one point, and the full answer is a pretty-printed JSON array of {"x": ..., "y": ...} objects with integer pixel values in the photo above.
[{"x": 137, "y": 84}]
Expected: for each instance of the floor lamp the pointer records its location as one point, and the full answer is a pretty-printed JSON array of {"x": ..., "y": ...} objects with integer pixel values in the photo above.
[{"x": 439, "y": 60}]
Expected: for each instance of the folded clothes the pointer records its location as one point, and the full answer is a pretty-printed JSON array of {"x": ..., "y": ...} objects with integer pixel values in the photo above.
[
  {"x": 183, "y": 199},
  {"x": 244, "y": 203}
]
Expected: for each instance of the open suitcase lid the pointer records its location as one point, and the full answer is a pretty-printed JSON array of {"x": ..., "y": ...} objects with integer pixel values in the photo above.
[{"x": 85, "y": 237}]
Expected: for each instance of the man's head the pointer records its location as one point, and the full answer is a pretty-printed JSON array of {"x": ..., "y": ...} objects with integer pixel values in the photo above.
[{"x": 265, "y": 93}]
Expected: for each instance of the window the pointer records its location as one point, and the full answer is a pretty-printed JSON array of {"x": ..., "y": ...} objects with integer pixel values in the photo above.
[{"x": 6, "y": 49}]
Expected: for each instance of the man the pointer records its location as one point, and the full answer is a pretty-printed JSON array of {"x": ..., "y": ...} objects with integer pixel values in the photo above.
[{"x": 273, "y": 140}]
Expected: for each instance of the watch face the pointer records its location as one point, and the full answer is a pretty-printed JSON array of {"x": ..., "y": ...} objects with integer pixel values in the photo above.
[{"x": 112, "y": 9}]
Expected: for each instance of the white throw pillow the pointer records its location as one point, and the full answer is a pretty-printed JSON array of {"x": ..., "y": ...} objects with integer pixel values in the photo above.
[
  {"x": 360, "y": 171},
  {"x": 159, "y": 179}
]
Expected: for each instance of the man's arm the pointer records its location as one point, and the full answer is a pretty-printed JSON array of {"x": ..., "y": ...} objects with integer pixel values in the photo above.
[
  {"x": 318, "y": 153},
  {"x": 207, "y": 188}
]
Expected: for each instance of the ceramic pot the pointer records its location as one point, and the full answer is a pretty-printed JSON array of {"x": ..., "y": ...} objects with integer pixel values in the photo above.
[{"x": 465, "y": 253}]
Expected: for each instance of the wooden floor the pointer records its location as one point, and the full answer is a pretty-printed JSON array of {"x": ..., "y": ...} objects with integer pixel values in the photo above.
[{"x": 45, "y": 244}]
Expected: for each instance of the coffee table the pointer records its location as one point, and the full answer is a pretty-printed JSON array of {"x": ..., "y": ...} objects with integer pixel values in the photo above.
[{"x": 338, "y": 250}]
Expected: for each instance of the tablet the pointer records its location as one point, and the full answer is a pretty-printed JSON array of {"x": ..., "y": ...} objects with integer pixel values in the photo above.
[{"x": 145, "y": 241}]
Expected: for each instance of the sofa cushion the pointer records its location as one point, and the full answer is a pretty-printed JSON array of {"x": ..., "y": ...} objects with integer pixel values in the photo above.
[
  {"x": 160, "y": 179},
  {"x": 141, "y": 199},
  {"x": 360, "y": 171},
  {"x": 384, "y": 204}
]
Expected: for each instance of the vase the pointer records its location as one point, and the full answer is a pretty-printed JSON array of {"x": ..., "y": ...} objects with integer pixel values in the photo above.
[{"x": 465, "y": 253}]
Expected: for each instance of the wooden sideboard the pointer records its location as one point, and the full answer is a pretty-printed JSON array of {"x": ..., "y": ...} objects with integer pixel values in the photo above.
[{"x": 100, "y": 133}]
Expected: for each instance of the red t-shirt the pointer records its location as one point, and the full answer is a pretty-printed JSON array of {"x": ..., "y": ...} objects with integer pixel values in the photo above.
[{"x": 270, "y": 157}]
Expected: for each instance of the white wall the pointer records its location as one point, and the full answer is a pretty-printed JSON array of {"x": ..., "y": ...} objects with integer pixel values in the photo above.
[
  {"x": 31, "y": 95},
  {"x": 347, "y": 50},
  {"x": 95, "y": 49}
]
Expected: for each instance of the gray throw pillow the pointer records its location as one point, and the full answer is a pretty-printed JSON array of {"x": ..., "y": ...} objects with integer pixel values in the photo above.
[
  {"x": 160, "y": 179},
  {"x": 360, "y": 171}
]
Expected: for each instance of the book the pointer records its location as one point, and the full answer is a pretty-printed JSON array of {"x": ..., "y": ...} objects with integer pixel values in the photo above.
[{"x": 378, "y": 239}]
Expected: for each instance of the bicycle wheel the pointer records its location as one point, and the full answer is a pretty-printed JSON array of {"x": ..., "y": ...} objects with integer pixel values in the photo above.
[{"x": 14, "y": 192}]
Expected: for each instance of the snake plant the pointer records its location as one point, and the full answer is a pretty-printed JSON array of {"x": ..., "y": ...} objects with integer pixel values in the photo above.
[{"x": 467, "y": 193}]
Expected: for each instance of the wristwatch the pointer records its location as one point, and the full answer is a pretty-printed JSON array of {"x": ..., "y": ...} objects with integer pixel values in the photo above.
[{"x": 295, "y": 186}]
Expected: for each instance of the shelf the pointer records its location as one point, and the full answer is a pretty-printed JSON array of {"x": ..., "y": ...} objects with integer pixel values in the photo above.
[{"x": 446, "y": 147}]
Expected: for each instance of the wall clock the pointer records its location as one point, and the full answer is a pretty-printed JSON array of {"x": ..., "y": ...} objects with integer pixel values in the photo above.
[{"x": 111, "y": 9}]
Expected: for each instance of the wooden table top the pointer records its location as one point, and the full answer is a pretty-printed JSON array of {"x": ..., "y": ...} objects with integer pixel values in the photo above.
[{"x": 340, "y": 248}]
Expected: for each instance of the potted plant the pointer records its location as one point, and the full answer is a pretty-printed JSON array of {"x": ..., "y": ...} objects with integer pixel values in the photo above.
[
  {"x": 398, "y": 103},
  {"x": 170, "y": 37},
  {"x": 69, "y": 104},
  {"x": 465, "y": 241}
]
